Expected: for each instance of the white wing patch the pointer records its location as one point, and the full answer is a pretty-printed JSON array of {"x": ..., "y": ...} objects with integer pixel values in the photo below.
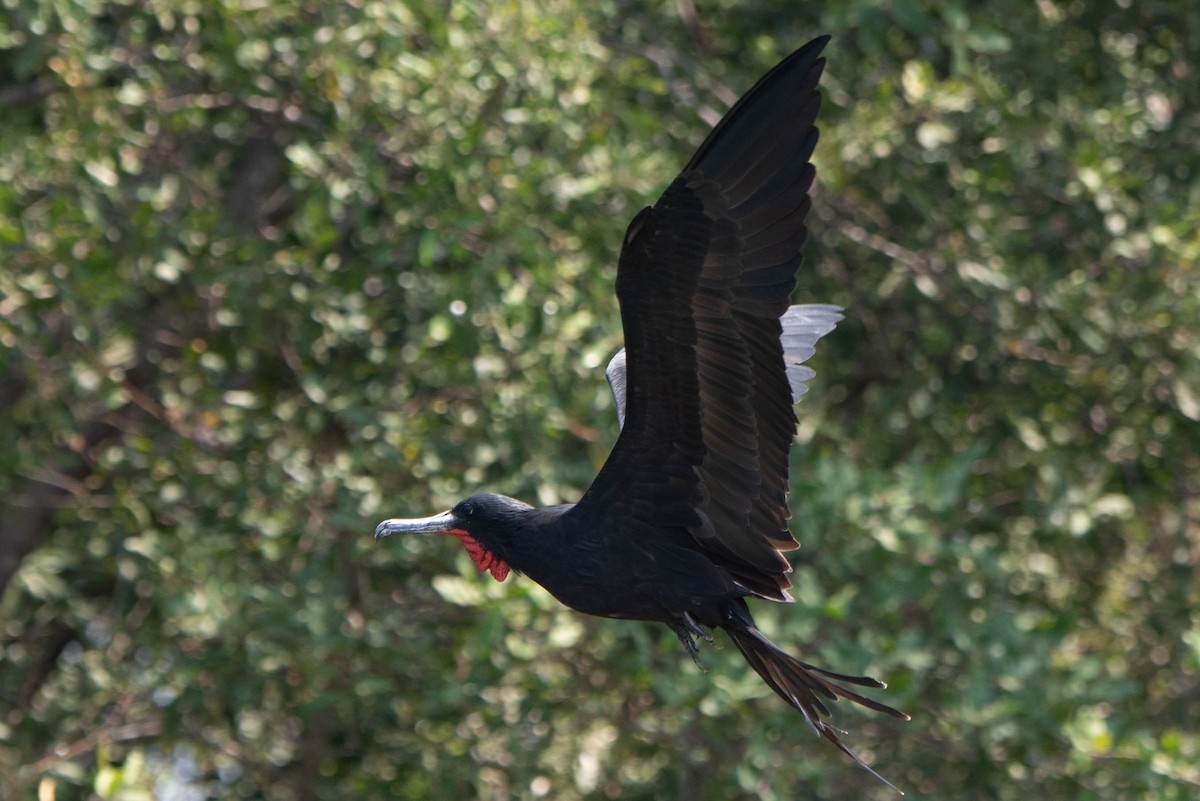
[
  {"x": 802, "y": 327},
  {"x": 615, "y": 373}
]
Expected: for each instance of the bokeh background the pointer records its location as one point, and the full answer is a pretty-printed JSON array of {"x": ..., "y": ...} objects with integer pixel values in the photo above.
[{"x": 272, "y": 271}]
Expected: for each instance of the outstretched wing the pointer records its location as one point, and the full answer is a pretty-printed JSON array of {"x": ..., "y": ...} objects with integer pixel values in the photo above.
[
  {"x": 704, "y": 277},
  {"x": 802, "y": 325}
]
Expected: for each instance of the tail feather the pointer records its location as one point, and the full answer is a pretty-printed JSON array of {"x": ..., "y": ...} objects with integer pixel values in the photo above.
[{"x": 804, "y": 686}]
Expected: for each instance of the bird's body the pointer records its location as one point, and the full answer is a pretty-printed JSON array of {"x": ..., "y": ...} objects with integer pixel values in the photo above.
[
  {"x": 606, "y": 572},
  {"x": 688, "y": 516}
]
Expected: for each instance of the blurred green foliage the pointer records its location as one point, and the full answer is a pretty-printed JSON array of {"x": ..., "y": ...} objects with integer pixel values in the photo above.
[{"x": 271, "y": 272}]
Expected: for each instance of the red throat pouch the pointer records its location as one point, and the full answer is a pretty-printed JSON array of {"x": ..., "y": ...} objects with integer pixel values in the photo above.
[{"x": 484, "y": 559}]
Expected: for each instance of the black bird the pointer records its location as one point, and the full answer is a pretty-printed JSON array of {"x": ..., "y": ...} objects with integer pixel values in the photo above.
[{"x": 688, "y": 517}]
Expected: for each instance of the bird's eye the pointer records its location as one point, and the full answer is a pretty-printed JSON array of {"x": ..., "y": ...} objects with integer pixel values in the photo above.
[{"x": 467, "y": 510}]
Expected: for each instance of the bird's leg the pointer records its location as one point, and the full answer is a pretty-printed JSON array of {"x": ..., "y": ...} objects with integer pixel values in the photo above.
[
  {"x": 689, "y": 644},
  {"x": 685, "y": 630},
  {"x": 694, "y": 626}
]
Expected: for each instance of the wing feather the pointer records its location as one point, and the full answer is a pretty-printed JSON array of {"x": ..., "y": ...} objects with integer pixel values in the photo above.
[{"x": 709, "y": 373}]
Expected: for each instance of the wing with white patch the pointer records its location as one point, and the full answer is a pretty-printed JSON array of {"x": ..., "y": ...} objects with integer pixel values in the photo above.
[{"x": 803, "y": 325}]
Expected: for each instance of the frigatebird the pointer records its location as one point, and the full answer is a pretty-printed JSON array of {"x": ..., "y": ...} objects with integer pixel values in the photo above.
[{"x": 688, "y": 516}]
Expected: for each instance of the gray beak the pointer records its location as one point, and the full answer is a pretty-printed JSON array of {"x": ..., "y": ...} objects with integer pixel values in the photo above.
[{"x": 417, "y": 525}]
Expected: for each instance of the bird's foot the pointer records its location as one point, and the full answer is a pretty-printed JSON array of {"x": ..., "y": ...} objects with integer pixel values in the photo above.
[
  {"x": 685, "y": 630},
  {"x": 695, "y": 628}
]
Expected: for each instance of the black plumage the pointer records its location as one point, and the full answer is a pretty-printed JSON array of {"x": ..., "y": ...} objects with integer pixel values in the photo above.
[{"x": 688, "y": 516}]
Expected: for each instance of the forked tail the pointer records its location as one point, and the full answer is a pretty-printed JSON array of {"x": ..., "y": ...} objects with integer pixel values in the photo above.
[{"x": 806, "y": 687}]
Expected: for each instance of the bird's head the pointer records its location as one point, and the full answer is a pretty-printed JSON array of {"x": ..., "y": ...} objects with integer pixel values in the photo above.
[{"x": 485, "y": 524}]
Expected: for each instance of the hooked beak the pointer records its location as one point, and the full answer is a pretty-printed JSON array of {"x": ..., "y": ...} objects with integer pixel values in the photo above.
[{"x": 418, "y": 525}]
